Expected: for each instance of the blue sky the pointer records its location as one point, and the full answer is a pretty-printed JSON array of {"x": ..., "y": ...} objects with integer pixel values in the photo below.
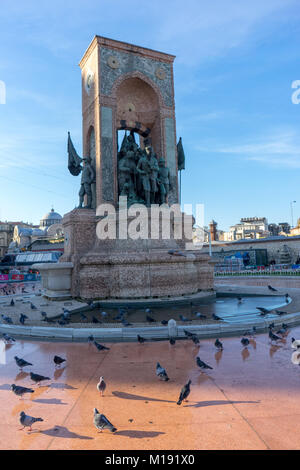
[{"x": 234, "y": 68}]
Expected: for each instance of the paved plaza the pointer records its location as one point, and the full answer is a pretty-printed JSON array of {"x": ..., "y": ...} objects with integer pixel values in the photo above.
[{"x": 250, "y": 400}]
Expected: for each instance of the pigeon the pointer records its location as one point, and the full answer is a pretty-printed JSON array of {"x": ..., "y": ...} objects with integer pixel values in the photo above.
[
  {"x": 150, "y": 319},
  {"x": 272, "y": 289},
  {"x": 101, "y": 386},
  {"x": 161, "y": 372},
  {"x": 273, "y": 337},
  {"x": 83, "y": 317},
  {"x": 218, "y": 344},
  {"x": 188, "y": 333},
  {"x": 48, "y": 320},
  {"x": 21, "y": 362},
  {"x": 38, "y": 378},
  {"x": 104, "y": 314},
  {"x": 91, "y": 339},
  {"x": 125, "y": 322},
  {"x": 271, "y": 325},
  {"x": 44, "y": 314},
  {"x": 295, "y": 343},
  {"x": 58, "y": 360},
  {"x": 264, "y": 311},
  {"x": 7, "y": 338},
  {"x": 101, "y": 422},
  {"x": 164, "y": 322},
  {"x": 281, "y": 332},
  {"x": 200, "y": 315},
  {"x": 202, "y": 364},
  {"x": 240, "y": 300},
  {"x": 280, "y": 312},
  {"x": 245, "y": 341},
  {"x": 7, "y": 319},
  {"x": 287, "y": 298},
  {"x": 172, "y": 340},
  {"x": 100, "y": 347},
  {"x": 250, "y": 333},
  {"x": 95, "y": 320},
  {"x": 185, "y": 391},
  {"x": 23, "y": 318},
  {"x": 140, "y": 339},
  {"x": 12, "y": 303},
  {"x": 63, "y": 322},
  {"x": 178, "y": 253},
  {"x": 183, "y": 318},
  {"x": 28, "y": 421},
  {"x": 215, "y": 317},
  {"x": 20, "y": 391},
  {"x": 32, "y": 306}
]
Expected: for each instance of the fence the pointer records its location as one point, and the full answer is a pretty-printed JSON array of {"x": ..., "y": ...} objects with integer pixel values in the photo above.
[{"x": 29, "y": 277}]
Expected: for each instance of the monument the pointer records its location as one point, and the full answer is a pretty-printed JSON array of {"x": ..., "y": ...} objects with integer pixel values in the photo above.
[{"x": 129, "y": 88}]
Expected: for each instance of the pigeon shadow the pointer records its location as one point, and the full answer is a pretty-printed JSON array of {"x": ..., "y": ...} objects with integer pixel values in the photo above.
[
  {"x": 58, "y": 373},
  {"x": 130, "y": 396},
  {"x": 21, "y": 375},
  {"x": 5, "y": 387},
  {"x": 50, "y": 401},
  {"x": 202, "y": 404},
  {"x": 63, "y": 432},
  {"x": 138, "y": 434},
  {"x": 63, "y": 386}
]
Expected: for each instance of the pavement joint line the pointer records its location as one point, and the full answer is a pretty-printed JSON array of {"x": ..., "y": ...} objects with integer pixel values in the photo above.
[
  {"x": 242, "y": 416},
  {"x": 76, "y": 401}
]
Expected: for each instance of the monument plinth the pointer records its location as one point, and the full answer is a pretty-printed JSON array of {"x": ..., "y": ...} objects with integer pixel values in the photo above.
[{"x": 129, "y": 88}]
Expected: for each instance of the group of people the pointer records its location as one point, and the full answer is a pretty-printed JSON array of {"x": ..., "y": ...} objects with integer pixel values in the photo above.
[{"x": 142, "y": 177}]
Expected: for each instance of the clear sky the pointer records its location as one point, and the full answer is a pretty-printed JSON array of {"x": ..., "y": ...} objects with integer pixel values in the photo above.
[{"x": 234, "y": 68}]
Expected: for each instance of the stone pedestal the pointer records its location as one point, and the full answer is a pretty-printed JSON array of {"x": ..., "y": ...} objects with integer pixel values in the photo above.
[
  {"x": 56, "y": 279},
  {"x": 127, "y": 268}
]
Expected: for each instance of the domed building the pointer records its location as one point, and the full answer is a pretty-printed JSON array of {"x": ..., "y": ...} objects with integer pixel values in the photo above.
[
  {"x": 49, "y": 219},
  {"x": 50, "y": 229}
]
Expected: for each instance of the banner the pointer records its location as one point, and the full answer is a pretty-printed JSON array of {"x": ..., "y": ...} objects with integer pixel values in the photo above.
[{"x": 3, "y": 277}]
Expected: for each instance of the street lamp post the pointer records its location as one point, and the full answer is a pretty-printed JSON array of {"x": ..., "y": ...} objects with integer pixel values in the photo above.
[{"x": 292, "y": 202}]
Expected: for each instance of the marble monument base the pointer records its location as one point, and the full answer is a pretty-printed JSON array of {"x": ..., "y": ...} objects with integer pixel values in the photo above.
[{"x": 119, "y": 268}]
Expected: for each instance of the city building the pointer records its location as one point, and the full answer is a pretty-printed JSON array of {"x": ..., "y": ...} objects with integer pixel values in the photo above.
[
  {"x": 7, "y": 234},
  {"x": 50, "y": 231},
  {"x": 249, "y": 228}
]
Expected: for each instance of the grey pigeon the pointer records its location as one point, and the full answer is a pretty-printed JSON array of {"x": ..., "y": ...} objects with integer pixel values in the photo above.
[
  {"x": 21, "y": 362},
  {"x": 141, "y": 339},
  {"x": 32, "y": 306},
  {"x": 264, "y": 311},
  {"x": 100, "y": 347},
  {"x": 218, "y": 344},
  {"x": 185, "y": 391},
  {"x": 7, "y": 338},
  {"x": 101, "y": 422},
  {"x": 272, "y": 289},
  {"x": 23, "y": 318},
  {"x": 164, "y": 322},
  {"x": 150, "y": 319},
  {"x": 161, "y": 372},
  {"x": 7, "y": 319},
  {"x": 188, "y": 333},
  {"x": 172, "y": 340},
  {"x": 12, "y": 303},
  {"x": 273, "y": 337},
  {"x": 280, "y": 312},
  {"x": 104, "y": 314},
  {"x": 38, "y": 378},
  {"x": 202, "y": 364},
  {"x": 101, "y": 386},
  {"x": 95, "y": 320},
  {"x": 200, "y": 315},
  {"x": 58, "y": 360},
  {"x": 215, "y": 317},
  {"x": 183, "y": 318},
  {"x": 250, "y": 333},
  {"x": 125, "y": 322},
  {"x": 83, "y": 317},
  {"x": 20, "y": 391},
  {"x": 245, "y": 341},
  {"x": 28, "y": 421}
]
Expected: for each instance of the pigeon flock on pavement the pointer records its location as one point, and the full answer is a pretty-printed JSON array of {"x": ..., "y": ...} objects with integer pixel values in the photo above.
[{"x": 100, "y": 421}]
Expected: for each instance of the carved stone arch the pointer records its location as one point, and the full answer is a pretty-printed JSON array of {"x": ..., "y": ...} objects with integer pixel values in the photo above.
[{"x": 138, "y": 107}]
